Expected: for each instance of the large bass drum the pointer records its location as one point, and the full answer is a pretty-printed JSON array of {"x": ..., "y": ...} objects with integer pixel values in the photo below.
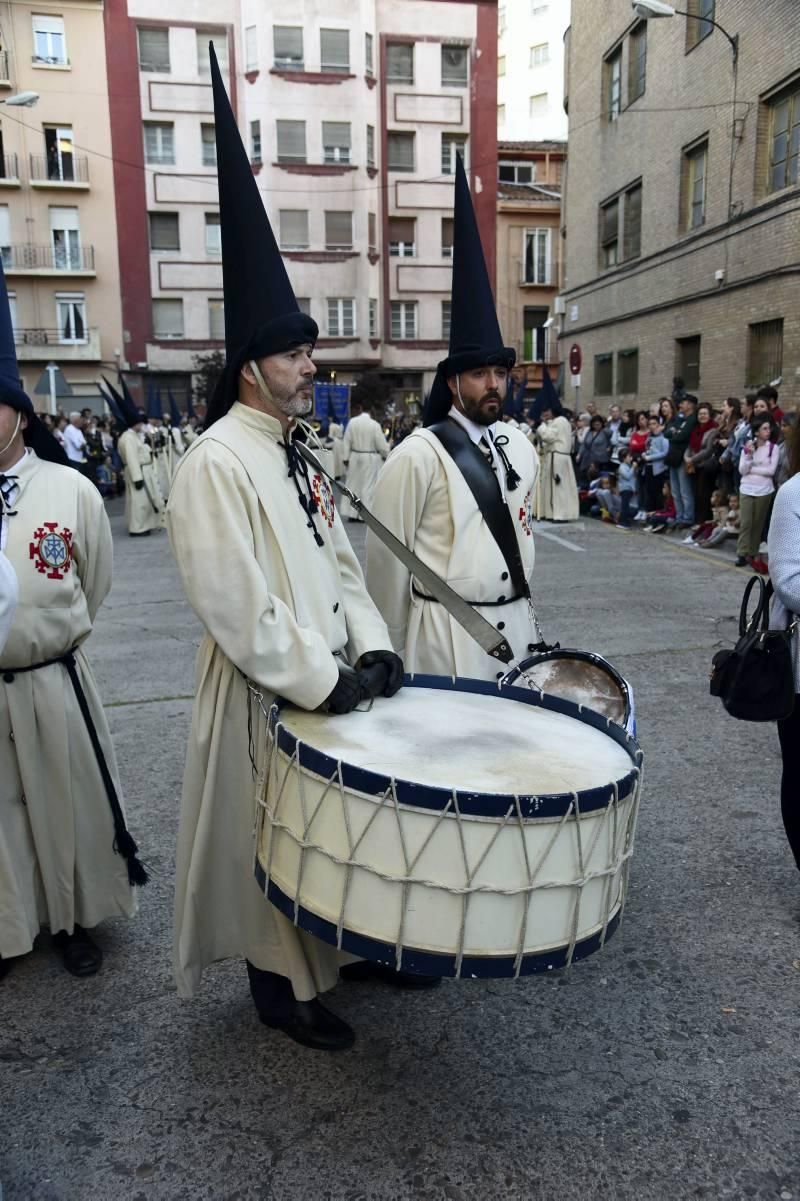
[{"x": 458, "y": 829}]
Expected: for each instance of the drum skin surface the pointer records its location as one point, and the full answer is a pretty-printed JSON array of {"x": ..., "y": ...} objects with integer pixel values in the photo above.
[{"x": 459, "y": 828}]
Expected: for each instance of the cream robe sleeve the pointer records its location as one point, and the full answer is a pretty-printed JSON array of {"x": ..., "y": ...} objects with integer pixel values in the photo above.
[
  {"x": 228, "y": 590},
  {"x": 398, "y": 501},
  {"x": 9, "y": 591},
  {"x": 93, "y": 548},
  {"x": 366, "y": 629},
  {"x": 381, "y": 445},
  {"x": 548, "y": 434}
]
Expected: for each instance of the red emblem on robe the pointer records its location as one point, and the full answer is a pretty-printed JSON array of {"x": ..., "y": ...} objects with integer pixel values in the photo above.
[{"x": 51, "y": 550}]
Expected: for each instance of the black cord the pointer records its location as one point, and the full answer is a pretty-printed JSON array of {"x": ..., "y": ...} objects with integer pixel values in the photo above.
[{"x": 298, "y": 466}]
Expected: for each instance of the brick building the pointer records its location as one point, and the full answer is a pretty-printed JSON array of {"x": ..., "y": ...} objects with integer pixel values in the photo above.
[{"x": 682, "y": 207}]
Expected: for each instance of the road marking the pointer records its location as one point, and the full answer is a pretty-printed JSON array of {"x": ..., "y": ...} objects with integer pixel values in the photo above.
[{"x": 561, "y": 541}]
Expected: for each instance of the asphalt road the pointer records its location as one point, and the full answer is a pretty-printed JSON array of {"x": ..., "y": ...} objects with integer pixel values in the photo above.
[{"x": 666, "y": 1067}]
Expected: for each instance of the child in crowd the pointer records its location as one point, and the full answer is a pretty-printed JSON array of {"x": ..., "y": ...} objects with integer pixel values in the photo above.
[
  {"x": 607, "y": 502},
  {"x": 626, "y": 487},
  {"x": 729, "y": 528},
  {"x": 659, "y": 519},
  {"x": 719, "y": 515},
  {"x": 104, "y": 477}
]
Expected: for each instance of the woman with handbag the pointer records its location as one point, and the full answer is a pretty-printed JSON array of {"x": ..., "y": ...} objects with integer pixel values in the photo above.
[{"x": 784, "y": 566}]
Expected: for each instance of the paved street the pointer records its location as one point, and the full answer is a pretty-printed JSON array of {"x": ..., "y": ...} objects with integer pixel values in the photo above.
[{"x": 665, "y": 1068}]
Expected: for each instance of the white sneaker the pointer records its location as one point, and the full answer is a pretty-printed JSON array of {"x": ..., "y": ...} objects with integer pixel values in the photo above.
[{"x": 688, "y": 541}]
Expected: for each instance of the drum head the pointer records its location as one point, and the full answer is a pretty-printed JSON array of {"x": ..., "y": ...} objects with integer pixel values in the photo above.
[{"x": 578, "y": 676}]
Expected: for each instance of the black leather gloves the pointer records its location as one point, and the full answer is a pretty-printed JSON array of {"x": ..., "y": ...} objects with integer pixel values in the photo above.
[
  {"x": 138, "y": 485},
  {"x": 383, "y": 671},
  {"x": 349, "y": 689}
]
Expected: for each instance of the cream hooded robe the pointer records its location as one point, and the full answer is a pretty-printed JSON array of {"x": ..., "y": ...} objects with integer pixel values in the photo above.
[
  {"x": 276, "y": 607},
  {"x": 424, "y": 500},
  {"x": 57, "y": 862},
  {"x": 363, "y": 450},
  {"x": 144, "y": 508},
  {"x": 558, "y": 492}
]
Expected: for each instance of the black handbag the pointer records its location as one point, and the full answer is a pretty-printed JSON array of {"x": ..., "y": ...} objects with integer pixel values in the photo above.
[{"x": 755, "y": 680}]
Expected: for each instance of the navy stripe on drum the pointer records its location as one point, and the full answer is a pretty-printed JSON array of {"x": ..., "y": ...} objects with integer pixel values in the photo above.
[
  {"x": 493, "y": 967},
  {"x": 473, "y": 804}
]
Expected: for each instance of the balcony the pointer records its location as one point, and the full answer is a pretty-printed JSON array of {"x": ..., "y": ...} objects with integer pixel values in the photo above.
[
  {"x": 5, "y": 70},
  {"x": 24, "y": 259},
  {"x": 41, "y": 345},
  {"x": 9, "y": 171},
  {"x": 70, "y": 171}
]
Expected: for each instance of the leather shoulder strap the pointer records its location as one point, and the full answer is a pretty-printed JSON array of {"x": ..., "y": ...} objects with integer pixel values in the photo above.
[{"x": 482, "y": 483}]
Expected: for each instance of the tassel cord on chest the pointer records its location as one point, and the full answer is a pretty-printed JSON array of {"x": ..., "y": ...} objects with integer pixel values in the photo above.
[{"x": 298, "y": 473}]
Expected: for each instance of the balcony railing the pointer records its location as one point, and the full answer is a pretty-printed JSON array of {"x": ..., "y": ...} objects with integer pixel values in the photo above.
[
  {"x": 4, "y": 67},
  {"x": 70, "y": 168},
  {"x": 35, "y": 344},
  {"x": 25, "y": 257},
  {"x": 9, "y": 167}
]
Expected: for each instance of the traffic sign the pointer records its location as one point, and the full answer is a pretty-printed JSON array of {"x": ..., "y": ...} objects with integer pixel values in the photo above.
[{"x": 575, "y": 359}]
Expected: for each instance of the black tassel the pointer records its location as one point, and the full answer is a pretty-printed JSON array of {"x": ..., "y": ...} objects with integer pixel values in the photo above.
[
  {"x": 512, "y": 478},
  {"x": 125, "y": 845}
]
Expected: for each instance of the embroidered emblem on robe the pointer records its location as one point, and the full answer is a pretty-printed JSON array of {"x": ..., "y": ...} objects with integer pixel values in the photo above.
[
  {"x": 51, "y": 550},
  {"x": 526, "y": 514},
  {"x": 323, "y": 495}
]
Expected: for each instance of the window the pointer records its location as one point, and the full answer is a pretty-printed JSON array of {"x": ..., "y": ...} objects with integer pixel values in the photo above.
[
  {"x": 255, "y": 141},
  {"x": 784, "y": 142},
  {"x": 12, "y": 309},
  {"x": 627, "y": 371},
  {"x": 447, "y": 237},
  {"x": 49, "y": 42},
  {"x": 293, "y": 225},
  {"x": 501, "y": 65},
  {"x": 604, "y": 375},
  {"x": 336, "y": 141},
  {"x": 613, "y": 82},
  {"x": 693, "y": 181},
  {"x": 501, "y": 19},
  {"x": 764, "y": 352},
  {"x": 454, "y": 67},
  {"x": 59, "y": 152},
  {"x": 216, "y": 319},
  {"x": 609, "y": 233},
  {"x": 71, "y": 316},
  {"x": 65, "y": 238},
  {"x": 154, "y": 50},
  {"x": 536, "y": 257},
  {"x": 250, "y": 49},
  {"x": 291, "y": 141},
  {"x": 453, "y": 144},
  {"x": 372, "y": 233},
  {"x": 159, "y": 142},
  {"x": 400, "y": 62},
  {"x": 164, "y": 231},
  {"x": 341, "y": 317},
  {"x": 5, "y": 236},
  {"x": 516, "y": 172},
  {"x": 637, "y": 63},
  {"x": 335, "y": 50},
  {"x": 400, "y": 151},
  {"x": 373, "y": 318},
  {"x": 167, "y": 319},
  {"x": 339, "y": 230},
  {"x": 369, "y": 64},
  {"x": 446, "y": 306},
  {"x": 213, "y": 234},
  {"x": 698, "y": 26},
  {"x": 534, "y": 346},
  {"x": 404, "y": 319},
  {"x": 402, "y": 232},
  {"x": 632, "y": 223},
  {"x": 208, "y": 141},
  {"x": 370, "y": 145},
  {"x": 220, "y": 39},
  {"x": 540, "y": 55},
  {"x": 537, "y": 105},
  {"x": 687, "y": 361},
  {"x": 287, "y": 45}
]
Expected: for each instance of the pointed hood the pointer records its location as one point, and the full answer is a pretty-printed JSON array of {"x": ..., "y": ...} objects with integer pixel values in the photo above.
[
  {"x": 113, "y": 407},
  {"x": 475, "y": 337},
  {"x": 174, "y": 411},
  {"x": 36, "y": 434},
  {"x": 262, "y": 316},
  {"x": 129, "y": 415},
  {"x": 153, "y": 402},
  {"x": 547, "y": 398},
  {"x": 135, "y": 414}
]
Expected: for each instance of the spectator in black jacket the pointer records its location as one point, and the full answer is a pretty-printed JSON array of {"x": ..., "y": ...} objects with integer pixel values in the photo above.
[{"x": 678, "y": 432}]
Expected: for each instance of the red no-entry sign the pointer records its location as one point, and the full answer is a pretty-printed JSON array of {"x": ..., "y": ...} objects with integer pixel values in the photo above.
[{"x": 575, "y": 359}]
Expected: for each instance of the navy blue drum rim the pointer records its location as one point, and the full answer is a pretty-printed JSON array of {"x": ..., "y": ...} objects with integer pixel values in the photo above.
[
  {"x": 431, "y": 963},
  {"x": 473, "y": 804}
]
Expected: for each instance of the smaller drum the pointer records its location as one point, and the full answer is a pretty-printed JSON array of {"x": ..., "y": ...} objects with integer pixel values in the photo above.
[
  {"x": 580, "y": 676},
  {"x": 457, "y": 829}
]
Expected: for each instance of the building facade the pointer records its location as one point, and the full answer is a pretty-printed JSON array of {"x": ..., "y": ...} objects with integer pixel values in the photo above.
[
  {"x": 529, "y": 254},
  {"x": 58, "y": 232},
  {"x": 352, "y": 112},
  {"x": 530, "y": 70},
  {"x": 681, "y": 211}
]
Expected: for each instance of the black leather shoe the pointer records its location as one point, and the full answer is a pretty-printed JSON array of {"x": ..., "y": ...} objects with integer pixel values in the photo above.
[
  {"x": 365, "y": 970},
  {"x": 79, "y": 952},
  {"x": 312, "y": 1025}
]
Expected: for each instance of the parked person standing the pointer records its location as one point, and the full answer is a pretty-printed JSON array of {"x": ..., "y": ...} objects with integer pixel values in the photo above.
[
  {"x": 74, "y": 442},
  {"x": 678, "y": 431},
  {"x": 595, "y": 454},
  {"x": 654, "y": 467},
  {"x": 363, "y": 450},
  {"x": 701, "y": 461},
  {"x": 757, "y": 467}
]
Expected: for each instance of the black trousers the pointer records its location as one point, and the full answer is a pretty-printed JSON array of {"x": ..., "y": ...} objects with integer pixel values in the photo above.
[{"x": 789, "y": 735}]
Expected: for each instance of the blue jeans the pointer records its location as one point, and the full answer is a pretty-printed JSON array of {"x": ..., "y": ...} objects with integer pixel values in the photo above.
[
  {"x": 683, "y": 495},
  {"x": 626, "y": 503}
]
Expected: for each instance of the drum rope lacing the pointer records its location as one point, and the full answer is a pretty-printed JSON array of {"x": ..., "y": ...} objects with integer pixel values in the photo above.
[{"x": 621, "y": 843}]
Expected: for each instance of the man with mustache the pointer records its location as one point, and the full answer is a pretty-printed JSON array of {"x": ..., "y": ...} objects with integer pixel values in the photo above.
[{"x": 460, "y": 492}]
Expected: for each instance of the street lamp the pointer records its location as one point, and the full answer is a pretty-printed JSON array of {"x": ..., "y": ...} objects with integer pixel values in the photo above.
[
  {"x": 652, "y": 9},
  {"x": 22, "y": 99}
]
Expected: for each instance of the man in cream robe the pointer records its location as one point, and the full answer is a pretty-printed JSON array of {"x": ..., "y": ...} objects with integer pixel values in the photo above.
[
  {"x": 363, "y": 450},
  {"x": 144, "y": 509},
  {"x": 558, "y": 491},
  {"x": 336, "y": 434}
]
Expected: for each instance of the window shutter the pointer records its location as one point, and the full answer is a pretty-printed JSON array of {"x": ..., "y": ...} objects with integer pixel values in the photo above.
[
  {"x": 400, "y": 62},
  {"x": 454, "y": 65},
  {"x": 400, "y": 151},
  {"x": 633, "y": 223},
  {"x": 335, "y": 49},
  {"x": 168, "y": 318},
  {"x": 294, "y": 229},
  {"x": 164, "y": 231},
  {"x": 291, "y": 140},
  {"x": 336, "y": 133},
  {"x": 402, "y": 229},
  {"x": 372, "y": 233},
  {"x": 447, "y": 233},
  {"x": 154, "y": 49},
  {"x": 250, "y": 48},
  {"x": 5, "y": 226},
  {"x": 216, "y": 320},
  {"x": 220, "y": 40},
  {"x": 338, "y": 230},
  {"x": 287, "y": 41}
]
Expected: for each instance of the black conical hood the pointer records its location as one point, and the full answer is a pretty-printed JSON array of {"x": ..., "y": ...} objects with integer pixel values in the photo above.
[
  {"x": 128, "y": 413},
  {"x": 262, "y": 316},
  {"x": 475, "y": 337},
  {"x": 174, "y": 411}
]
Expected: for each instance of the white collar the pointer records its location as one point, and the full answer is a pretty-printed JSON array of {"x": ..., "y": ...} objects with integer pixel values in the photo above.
[
  {"x": 13, "y": 470},
  {"x": 476, "y": 433}
]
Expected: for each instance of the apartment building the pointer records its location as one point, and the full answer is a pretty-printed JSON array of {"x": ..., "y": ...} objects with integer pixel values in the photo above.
[
  {"x": 58, "y": 233},
  {"x": 529, "y": 254},
  {"x": 530, "y": 70},
  {"x": 682, "y": 215}
]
